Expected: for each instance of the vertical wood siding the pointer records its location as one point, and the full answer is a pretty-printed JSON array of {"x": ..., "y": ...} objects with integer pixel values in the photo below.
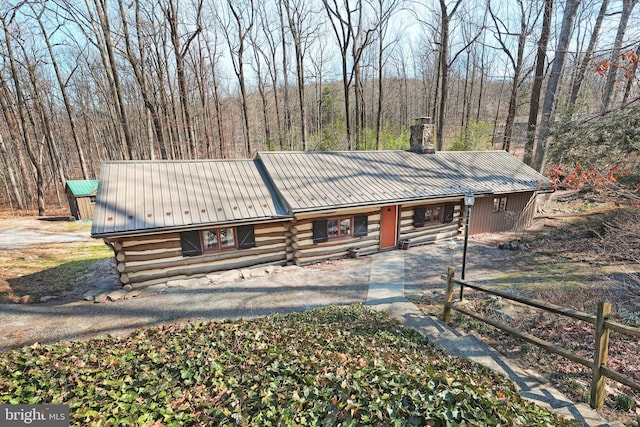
[
  {"x": 85, "y": 208},
  {"x": 518, "y": 215}
]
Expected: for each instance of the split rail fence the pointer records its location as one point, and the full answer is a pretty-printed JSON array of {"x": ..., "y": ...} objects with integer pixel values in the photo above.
[{"x": 600, "y": 321}]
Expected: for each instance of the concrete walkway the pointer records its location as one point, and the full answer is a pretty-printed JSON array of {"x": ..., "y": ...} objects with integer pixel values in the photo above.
[{"x": 386, "y": 292}]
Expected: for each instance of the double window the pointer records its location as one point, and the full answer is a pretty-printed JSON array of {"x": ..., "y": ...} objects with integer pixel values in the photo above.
[
  {"x": 426, "y": 215},
  {"x": 218, "y": 239},
  {"x": 499, "y": 204},
  {"x": 340, "y": 227},
  {"x": 197, "y": 242}
]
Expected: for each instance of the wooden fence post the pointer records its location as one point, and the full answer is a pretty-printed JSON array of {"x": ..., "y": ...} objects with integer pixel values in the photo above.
[
  {"x": 601, "y": 355},
  {"x": 448, "y": 300}
]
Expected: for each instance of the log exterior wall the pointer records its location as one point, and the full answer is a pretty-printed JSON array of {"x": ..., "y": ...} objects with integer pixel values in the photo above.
[
  {"x": 304, "y": 251},
  {"x": 157, "y": 258},
  {"x": 430, "y": 232},
  {"x": 153, "y": 259}
]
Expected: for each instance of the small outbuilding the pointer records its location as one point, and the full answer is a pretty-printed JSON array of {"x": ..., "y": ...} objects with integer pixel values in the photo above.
[
  {"x": 81, "y": 195},
  {"x": 175, "y": 219}
]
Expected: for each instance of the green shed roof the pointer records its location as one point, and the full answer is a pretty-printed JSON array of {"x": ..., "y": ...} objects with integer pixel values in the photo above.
[{"x": 83, "y": 187}]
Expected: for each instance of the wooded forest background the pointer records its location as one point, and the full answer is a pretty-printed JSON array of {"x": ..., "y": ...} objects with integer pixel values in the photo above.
[{"x": 81, "y": 81}]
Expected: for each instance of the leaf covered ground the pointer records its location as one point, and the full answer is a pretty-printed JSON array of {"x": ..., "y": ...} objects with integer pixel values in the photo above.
[
  {"x": 328, "y": 366},
  {"x": 589, "y": 251}
]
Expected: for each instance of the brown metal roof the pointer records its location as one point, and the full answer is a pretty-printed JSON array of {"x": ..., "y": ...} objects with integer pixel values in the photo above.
[
  {"x": 310, "y": 181},
  {"x": 136, "y": 196}
]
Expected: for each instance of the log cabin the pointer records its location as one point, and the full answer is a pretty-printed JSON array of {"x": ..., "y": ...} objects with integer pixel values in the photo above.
[{"x": 176, "y": 219}]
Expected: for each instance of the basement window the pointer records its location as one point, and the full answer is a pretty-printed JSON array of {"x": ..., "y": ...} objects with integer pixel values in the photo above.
[{"x": 499, "y": 204}]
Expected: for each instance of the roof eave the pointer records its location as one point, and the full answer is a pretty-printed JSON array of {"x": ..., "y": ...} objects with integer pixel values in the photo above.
[{"x": 180, "y": 228}]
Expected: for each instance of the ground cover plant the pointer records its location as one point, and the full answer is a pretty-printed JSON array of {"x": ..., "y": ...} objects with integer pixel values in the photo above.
[{"x": 328, "y": 366}]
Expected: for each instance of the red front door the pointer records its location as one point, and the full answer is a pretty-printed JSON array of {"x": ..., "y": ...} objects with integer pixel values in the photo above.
[{"x": 388, "y": 227}]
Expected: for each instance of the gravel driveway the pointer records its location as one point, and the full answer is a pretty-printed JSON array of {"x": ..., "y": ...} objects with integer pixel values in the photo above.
[{"x": 285, "y": 290}]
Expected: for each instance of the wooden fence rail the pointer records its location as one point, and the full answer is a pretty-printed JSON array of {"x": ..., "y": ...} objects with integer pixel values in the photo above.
[{"x": 600, "y": 321}]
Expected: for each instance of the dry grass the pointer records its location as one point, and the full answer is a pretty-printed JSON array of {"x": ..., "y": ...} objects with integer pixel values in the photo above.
[{"x": 31, "y": 272}]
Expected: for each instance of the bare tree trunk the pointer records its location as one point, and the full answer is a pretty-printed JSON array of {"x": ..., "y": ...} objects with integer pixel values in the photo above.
[
  {"x": 22, "y": 113},
  {"x": 296, "y": 16},
  {"x": 11, "y": 119},
  {"x": 171, "y": 15},
  {"x": 627, "y": 8},
  {"x": 588, "y": 56},
  {"x": 138, "y": 65},
  {"x": 444, "y": 68},
  {"x": 341, "y": 31},
  {"x": 571, "y": 8},
  {"x": 63, "y": 92},
  {"x": 285, "y": 76},
  {"x": 15, "y": 190},
  {"x": 213, "y": 55},
  {"x": 111, "y": 67},
  {"x": 630, "y": 75},
  {"x": 534, "y": 104},
  {"x": 243, "y": 25}
]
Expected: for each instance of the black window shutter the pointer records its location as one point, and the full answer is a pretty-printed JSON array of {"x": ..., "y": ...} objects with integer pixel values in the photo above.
[
  {"x": 360, "y": 225},
  {"x": 190, "y": 241},
  {"x": 418, "y": 217},
  {"x": 320, "y": 231},
  {"x": 448, "y": 212},
  {"x": 246, "y": 237}
]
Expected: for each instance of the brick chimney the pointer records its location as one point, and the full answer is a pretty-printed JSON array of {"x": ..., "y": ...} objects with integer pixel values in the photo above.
[{"x": 422, "y": 134}]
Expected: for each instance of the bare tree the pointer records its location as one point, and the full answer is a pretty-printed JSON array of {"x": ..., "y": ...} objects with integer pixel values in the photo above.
[
  {"x": 348, "y": 23},
  {"x": 237, "y": 29},
  {"x": 300, "y": 18},
  {"x": 285, "y": 75},
  {"x": 63, "y": 88},
  {"x": 171, "y": 13},
  {"x": 627, "y": 8},
  {"x": 384, "y": 11},
  {"x": 101, "y": 36},
  {"x": 6, "y": 19},
  {"x": 570, "y": 10},
  {"x": 536, "y": 90},
  {"x": 527, "y": 19},
  {"x": 588, "y": 56},
  {"x": 138, "y": 61}
]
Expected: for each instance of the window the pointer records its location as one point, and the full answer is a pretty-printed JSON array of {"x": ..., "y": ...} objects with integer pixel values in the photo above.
[
  {"x": 424, "y": 215},
  {"x": 92, "y": 199},
  {"x": 195, "y": 242},
  {"x": 499, "y": 204},
  {"x": 219, "y": 238},
  {"x": 337, "y": 228}
]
